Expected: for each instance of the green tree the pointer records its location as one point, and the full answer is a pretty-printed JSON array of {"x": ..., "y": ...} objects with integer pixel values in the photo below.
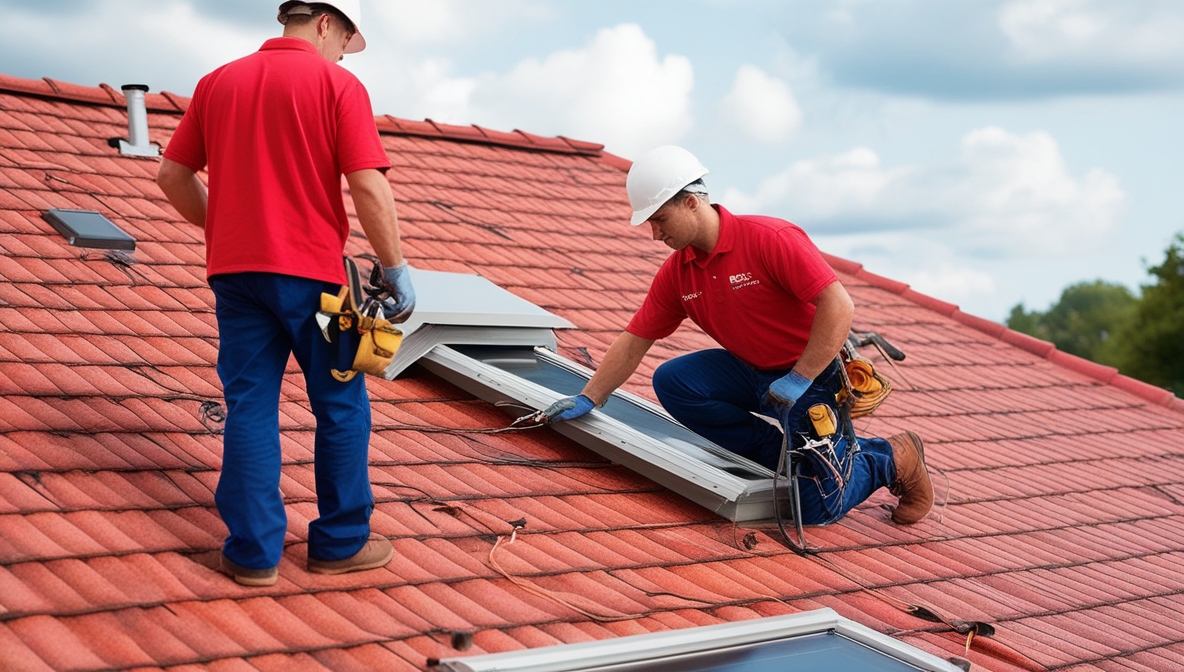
[
  {"x": 1084, "y": 322},
  {"x": 1151, "y": 347}
]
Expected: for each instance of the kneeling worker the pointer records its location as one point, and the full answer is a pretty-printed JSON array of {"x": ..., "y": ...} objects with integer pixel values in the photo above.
[{"x": 762, "y": 290}]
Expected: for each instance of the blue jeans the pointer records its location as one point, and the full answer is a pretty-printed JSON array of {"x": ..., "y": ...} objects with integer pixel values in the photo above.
[
  {"x": 715, "y": 394},
  {"x": 263, "y": 318}
]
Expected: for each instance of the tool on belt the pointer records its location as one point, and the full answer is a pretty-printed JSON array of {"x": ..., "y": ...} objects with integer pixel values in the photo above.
[
  {"x": 354, "y": 320},
  {"x": 861, "y": 392}
]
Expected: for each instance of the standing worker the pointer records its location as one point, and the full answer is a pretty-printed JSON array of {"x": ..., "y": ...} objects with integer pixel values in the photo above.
[
  {"x": 761, "y": 289},
  {"x": 277, "y": 130}
]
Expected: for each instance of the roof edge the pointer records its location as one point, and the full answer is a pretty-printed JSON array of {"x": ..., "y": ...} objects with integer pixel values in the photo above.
[
  {"x": 1107, "y": 375},
  {"x": 517, "y": 139},
  {"x": 103, "y": 94}
]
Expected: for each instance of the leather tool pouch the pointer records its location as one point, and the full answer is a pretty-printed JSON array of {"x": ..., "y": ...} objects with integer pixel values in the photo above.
[{"x": 362, "y": 338}]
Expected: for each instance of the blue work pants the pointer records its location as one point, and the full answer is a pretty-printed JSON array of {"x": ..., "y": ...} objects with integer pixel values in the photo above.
[
  {"x": 715, "y": 394},
  {"x": 263, "y": 318}
]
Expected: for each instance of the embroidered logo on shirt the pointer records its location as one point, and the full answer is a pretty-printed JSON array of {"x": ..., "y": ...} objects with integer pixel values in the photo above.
[{"x": 742, "y": 280}]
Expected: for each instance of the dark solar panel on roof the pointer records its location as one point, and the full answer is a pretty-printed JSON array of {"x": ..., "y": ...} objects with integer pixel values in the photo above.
[{"x": 87, "y": 228}]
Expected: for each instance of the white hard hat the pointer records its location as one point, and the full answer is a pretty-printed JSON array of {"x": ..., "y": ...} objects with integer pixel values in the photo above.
[
  {"x": 352, "y": 9},
  {"x": 657, "y": 176}
]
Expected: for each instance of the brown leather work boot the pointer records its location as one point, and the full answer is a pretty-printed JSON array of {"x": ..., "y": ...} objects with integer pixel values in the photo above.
[
  {"x": 249, "y": 577},
  {"x": 912, "y": 484},
  {"x": 377, "y": 552}
]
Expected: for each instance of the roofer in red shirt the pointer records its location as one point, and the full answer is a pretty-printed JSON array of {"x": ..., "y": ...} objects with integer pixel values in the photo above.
[
  {"x": 762, "y": 290},
  {"x": 277, "y": 130}
]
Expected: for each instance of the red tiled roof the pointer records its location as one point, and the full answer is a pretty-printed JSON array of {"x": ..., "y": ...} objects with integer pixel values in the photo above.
[{"x": 1063, "y": 525}]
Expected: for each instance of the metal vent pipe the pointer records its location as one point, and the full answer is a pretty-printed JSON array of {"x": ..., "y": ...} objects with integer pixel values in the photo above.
[{"x": 138, "y": 143}]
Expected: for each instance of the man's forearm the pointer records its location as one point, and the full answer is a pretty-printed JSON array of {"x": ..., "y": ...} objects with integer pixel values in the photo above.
[
  {"x": 621, "y": 360},
  {"x": 375, "y": 205},
  {"x": 832, "y": 323},
  {"x": 184, "y": 190}
]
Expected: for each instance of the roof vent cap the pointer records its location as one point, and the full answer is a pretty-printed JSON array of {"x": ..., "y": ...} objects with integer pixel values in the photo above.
[{"x": 137, "y": 143}]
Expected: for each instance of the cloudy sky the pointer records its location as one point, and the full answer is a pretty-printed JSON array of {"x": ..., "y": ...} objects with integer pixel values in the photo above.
[{"x": 986, "y": 152}]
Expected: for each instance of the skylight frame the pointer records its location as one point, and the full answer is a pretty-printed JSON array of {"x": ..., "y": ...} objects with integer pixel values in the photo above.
[
  {"x": 82, "y": 228},
  {"x": 730, "y": 496},
  {"x": 658, "y": 646}
]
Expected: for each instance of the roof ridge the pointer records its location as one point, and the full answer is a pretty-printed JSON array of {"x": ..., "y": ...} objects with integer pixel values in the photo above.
[
  {"x": 103, "y": 94},
  {"x": 1045, "y": 349},
  {"x": 165, "y": 101},
  {"x": 429, "y": 128}
]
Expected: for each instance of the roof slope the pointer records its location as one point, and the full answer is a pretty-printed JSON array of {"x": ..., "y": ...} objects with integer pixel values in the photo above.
[{"x": 1064, "y": 526}]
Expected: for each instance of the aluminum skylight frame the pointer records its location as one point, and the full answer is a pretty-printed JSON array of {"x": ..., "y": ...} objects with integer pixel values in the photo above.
[
  {"x": 704, "y": 639},
  {"x": 727, "y": 495}
]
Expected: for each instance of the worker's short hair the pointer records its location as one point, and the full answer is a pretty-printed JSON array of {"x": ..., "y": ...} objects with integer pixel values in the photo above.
[
  {"x": 300, "y": 13},
  {"x": 698, "y": 188}
]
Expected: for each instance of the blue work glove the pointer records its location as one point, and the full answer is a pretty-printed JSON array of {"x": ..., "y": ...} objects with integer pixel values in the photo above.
[
  {"x": 396, "y": 280},
  {"x": 786, "y": 390},
  {"x": 567, "y": 408}
]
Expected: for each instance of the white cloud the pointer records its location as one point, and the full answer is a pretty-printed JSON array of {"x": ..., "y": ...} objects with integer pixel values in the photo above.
[
  {"x": 762, "y": 106},
  {"x": 1094, "y": 31},
  {"x": 616, "y": 90},
  {"x": 1006, "y": 195},
  {"x": 196, "y": 42},
  {"x": 419, "y": 23},
  {"x": 927, "y": 265}
]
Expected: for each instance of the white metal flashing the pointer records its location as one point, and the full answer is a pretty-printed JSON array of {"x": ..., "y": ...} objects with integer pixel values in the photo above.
[
  {"x": 465, "y": 309},
  {"x": 656, "y": 646}
]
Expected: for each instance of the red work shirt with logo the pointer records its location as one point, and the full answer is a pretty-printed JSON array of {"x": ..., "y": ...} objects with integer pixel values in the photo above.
[
  {"x": 751, "y": 293},
  {"x": 278, "y": 129}
]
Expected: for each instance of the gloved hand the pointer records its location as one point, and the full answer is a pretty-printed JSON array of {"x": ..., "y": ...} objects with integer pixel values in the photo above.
[
  {"x": 786, "y": 390},
  {"x": 396, "y": 280},
  {"x": 567, "y": 408}
]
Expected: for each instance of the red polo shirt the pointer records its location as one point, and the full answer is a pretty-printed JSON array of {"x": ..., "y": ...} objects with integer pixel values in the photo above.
[
  {"x": 751, "y": 293},
  {"x": 278, "y": 129}
]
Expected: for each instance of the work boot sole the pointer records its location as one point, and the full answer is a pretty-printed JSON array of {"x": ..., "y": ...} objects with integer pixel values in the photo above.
[
  {"x": 245, "y": 576},
  {"x": 376, "y": 553}
]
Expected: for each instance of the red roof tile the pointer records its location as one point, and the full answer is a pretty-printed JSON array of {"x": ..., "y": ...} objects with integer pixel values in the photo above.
[{"x": 1061, "y": 476}]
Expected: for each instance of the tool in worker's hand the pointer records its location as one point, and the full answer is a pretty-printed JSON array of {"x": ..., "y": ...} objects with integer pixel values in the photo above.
[
  {"x": 392, "y": 286},
  {"x": 567, "y": 408}
]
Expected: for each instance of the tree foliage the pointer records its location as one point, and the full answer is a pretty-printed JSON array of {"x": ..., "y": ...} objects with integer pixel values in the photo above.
[
  {"x": 1152, "y": 344},
  {"x": 1104, "y": 322},
  {"x": 1084, "y": 322}
]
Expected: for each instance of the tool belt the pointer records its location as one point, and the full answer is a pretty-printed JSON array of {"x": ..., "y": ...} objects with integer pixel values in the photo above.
[{"x": 355, "y": 322}]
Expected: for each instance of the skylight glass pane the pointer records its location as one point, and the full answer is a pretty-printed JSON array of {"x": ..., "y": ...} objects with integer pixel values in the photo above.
[
  {"x": 87, "y": 228},
  {"x": 823, "y": 651},
  {"x": 524, "y": 363}
]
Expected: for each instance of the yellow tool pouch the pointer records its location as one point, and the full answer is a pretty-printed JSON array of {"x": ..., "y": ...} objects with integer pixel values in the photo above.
[
  {"x": 365, "y": 340},
  {"x": 868, "y": 389}
]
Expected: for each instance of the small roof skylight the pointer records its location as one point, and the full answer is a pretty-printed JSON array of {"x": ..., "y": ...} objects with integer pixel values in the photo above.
[
  {"x": 812, "y": 640},
  {"x": 500, "y": 347},
  {"x": 88, "y": 228}
]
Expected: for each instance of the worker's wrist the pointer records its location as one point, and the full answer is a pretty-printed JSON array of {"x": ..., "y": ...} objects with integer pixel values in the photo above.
[{"x": 789, "y": 388}]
